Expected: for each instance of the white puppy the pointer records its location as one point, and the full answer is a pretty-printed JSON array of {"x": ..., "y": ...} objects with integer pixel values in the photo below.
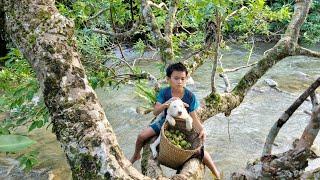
[{"x": 176, "y": 109}]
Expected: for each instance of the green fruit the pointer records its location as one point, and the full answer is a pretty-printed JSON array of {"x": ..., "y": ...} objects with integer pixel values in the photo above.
[
  {"x": 178, "y": 146},
  {"x": 183, "y": 143},
  {"x": 167, "y": 134}
]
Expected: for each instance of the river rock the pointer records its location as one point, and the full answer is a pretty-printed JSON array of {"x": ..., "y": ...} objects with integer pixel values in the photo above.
[{"x": 271, "y": 83}]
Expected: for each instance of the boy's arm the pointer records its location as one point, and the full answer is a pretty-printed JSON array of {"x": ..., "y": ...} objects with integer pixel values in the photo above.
[
  {"x": 158, "y": 107},
  {"x": 196, "y": 120}
]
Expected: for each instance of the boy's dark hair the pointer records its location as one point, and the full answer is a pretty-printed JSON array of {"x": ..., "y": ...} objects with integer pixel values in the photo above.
[{"x": 176, "y": 67}]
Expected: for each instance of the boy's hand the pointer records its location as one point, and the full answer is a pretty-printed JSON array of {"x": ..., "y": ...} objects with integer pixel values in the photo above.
[
  {"x": 202, "y": 134},
  {"x": 167, "y": 103}
]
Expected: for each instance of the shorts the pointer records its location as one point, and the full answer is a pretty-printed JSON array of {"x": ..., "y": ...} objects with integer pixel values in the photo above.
[{"x": 156, "y": 126}]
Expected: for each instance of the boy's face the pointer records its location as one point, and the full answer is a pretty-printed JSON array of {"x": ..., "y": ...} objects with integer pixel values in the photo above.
[{"x": 177, "y": 79}]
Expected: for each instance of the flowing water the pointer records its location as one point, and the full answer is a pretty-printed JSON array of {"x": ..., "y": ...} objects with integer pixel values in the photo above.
[{"x": 232, "y": 141}]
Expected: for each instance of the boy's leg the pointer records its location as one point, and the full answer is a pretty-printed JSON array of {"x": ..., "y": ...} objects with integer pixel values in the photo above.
[
  {"x": 210, "y": 164},
  {"x": 142, "y": 137}
]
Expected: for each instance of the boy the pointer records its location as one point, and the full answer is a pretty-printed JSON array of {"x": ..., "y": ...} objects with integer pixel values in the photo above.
[{"x": 176, "y": 77}]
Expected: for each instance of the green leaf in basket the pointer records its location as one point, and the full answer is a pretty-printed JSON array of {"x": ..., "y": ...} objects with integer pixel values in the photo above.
[{"x": 14, "y": 143}]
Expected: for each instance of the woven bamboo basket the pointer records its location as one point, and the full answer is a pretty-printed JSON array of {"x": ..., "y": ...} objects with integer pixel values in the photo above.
[{"x": 172, "y": 156}]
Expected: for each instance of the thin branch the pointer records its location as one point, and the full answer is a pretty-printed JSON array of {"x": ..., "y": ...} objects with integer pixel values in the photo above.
[
  {"x": 224, "y": 77},
  {"x": 307, "y": 52},
  {"x": 238, "y": 68},
  {"x": 98, "y": 14},
  {"x": 234, "y": 12},
  {"x": 285, "y": 116},
  {"x": 189, "y": 33},
  {"x": 122, "y": 35},
  {"x": 120, "y": 48},
  {"x": 194, "y": 53},
  {"x": 129, "y": 66},
  {"x": 218, "y": 38},
  {"x": 250, "y": 52},
  {"x": 226, "y": 82},
  {"x": 159, "y": 6},
  {"x": 131, "y": 10}
]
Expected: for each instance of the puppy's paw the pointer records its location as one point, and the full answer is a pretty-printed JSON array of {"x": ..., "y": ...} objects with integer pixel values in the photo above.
[
  {"x": 154, "y": 151},
  {"x": 171, "y": 121},
  {"x": 189, "y": 124}
]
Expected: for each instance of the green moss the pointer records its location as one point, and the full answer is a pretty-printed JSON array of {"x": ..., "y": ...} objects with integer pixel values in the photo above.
[
  {"x": 240, "y": 87},
  {"x": 32, "y": 39},
  {"x": 86, "y": 167},
  {"x": 213, "y": 99},
  {"x": 44, "y": 14}
]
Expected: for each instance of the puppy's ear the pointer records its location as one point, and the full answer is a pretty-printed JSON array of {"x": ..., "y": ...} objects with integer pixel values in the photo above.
[{"x": 185, "y": 104}]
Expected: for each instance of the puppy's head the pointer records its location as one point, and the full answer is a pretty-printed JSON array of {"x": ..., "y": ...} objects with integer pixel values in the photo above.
[{"x": 177, "y": 108}]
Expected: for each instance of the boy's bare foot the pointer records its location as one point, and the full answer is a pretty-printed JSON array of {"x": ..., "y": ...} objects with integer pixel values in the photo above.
[{"x": 135, "y": 158}]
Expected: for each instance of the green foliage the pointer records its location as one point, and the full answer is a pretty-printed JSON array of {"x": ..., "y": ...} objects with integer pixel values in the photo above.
[
  {"x": 28, "y": 160},
  {"x": 14, "y": 143},
  {"x": 256, "y": 18},
  {"x": 139, "y": 47},
  {"x": 147, "y": 93},
  {"x": 19, "y": 95},
  {"x": 311, "y": 28}
]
